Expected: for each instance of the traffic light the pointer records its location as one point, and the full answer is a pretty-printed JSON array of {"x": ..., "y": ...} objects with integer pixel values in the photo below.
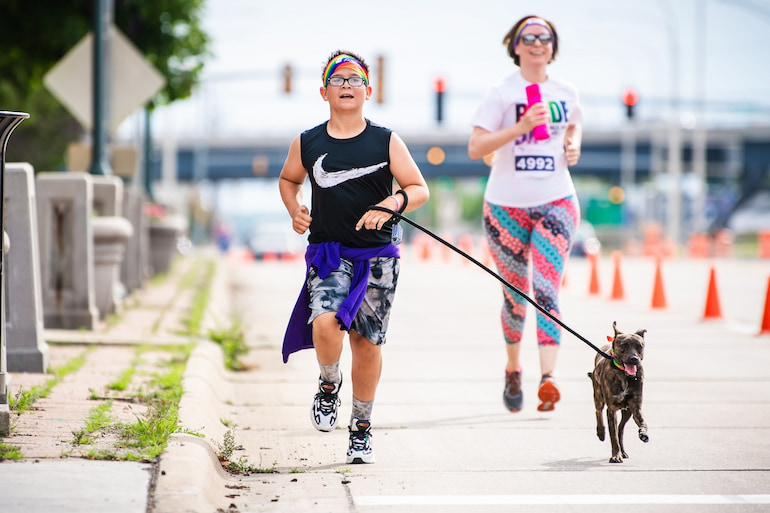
[
  {"x": 630, "y": 99},
  {"x": 288, "y": 72},
  {"x": 439, "y": 85}
]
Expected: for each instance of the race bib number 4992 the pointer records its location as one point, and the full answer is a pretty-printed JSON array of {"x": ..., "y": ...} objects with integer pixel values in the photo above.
[{"x": 534, "y": 163}]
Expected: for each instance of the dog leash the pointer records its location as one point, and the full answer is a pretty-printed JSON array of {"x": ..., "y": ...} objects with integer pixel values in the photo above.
[{"x": 399, "y": 216}]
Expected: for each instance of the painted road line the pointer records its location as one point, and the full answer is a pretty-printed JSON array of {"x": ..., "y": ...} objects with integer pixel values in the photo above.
[{"x": 498, "y": 500}]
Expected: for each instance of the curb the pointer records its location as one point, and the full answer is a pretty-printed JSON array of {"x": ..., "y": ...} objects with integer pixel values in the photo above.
[{"x": 190, "y": 476}]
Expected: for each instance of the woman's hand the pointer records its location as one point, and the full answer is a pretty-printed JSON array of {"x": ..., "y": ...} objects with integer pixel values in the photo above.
[
  {"x": 535, "y": 115},
  {"x": 572, "y": 142},
  {"x": 572, "y": 152}
]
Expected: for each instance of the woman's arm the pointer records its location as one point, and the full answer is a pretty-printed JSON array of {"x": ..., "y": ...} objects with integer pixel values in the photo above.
[{"x": 483, "y": 142}]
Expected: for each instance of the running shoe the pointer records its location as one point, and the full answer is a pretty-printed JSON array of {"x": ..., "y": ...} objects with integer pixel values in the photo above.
[
  {"x": 323, "y": 412},
  {"x": 548, "y": 393},
  {"x": 360, "y": 445},
  {"x": 512, "y": 395}
]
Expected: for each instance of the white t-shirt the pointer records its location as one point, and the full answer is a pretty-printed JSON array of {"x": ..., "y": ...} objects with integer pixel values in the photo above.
[{"x": 527, "y": 172}]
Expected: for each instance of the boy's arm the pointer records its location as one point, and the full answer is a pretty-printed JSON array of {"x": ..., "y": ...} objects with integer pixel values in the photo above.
[
  {"x": 407, "y": 174},
  {"x": 290, "y": 183},
  {"x": 409, "y": 179}
]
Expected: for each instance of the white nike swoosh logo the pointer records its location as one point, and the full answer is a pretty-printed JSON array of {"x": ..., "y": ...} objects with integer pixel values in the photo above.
[{"x": 324, "y": 179}]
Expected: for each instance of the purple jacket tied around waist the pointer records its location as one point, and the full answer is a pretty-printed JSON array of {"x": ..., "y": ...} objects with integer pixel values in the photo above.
[{"x": 326, "y": 257}]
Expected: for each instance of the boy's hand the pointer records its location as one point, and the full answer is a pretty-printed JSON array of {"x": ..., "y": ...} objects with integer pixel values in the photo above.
[
  {"x": 301, "y": 219},
  {"x": 374, "y": 219}
]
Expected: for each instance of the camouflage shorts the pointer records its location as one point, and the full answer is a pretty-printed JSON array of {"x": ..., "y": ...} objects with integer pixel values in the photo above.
[{"x": 372, "y": 318}]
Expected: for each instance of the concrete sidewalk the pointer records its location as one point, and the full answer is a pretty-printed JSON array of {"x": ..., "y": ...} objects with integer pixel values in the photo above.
[
  {"x": 58, "y": 474},
  {"x": 442, "y": 438}
]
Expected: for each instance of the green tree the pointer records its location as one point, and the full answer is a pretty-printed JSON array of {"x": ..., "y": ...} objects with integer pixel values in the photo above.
[{"x": 167, "y": 32}]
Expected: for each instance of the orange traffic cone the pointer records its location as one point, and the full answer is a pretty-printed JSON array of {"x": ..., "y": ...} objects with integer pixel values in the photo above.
[
  {"x": 712, "y": 310},
  {"x": 617, "y": 282},
  {"x": 593, "y": 287},
  {"x": 765, "y": 327},
  {"x": 658, "y": 294}
]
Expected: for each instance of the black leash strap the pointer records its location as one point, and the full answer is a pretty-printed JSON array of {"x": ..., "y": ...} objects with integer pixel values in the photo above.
[{"x": 499, "y": 278}]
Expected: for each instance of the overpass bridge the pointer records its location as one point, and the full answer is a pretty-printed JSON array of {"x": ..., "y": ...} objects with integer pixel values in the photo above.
[
  {"x": 631, "y": 154},
  {"x": 728, "y": 154}
]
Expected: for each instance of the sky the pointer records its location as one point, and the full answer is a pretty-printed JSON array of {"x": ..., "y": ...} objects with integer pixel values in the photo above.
[{"x": 710, "y": 50}]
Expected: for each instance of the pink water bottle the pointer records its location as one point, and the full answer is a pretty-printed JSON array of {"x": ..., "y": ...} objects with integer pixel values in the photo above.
[{"x": 540, "y": 132}]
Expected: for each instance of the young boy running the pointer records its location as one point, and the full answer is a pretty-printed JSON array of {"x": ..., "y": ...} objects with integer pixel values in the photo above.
[{"x": 352, "y": 256}]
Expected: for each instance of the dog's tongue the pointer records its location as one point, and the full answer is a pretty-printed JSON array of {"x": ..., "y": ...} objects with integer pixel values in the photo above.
[{"x": 630, "y": 369}]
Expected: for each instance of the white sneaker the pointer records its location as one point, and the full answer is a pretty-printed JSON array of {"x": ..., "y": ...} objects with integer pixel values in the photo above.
[
  {"x": 323, "y": 412},
  {"x": 360, "y": 445}
]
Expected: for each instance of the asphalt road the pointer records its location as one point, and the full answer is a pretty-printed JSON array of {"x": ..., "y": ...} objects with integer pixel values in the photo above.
[{"x": 444, "y": 441}]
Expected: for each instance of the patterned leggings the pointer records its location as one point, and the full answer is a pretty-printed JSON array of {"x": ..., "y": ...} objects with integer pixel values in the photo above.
[{"x": 545, "y": 231}]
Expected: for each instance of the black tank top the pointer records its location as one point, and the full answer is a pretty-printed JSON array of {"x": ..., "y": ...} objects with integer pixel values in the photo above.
[{"x": 347, "y": 176}]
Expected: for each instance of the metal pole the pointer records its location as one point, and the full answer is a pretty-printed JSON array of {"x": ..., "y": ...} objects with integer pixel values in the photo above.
[
  {"x": 674, "y": 217},
  {"x": 8, "y": 122},
  {"x": 700, "y": 135},
  {"x": 147, "y": 154},
  {"x": 100, "y": 66}
]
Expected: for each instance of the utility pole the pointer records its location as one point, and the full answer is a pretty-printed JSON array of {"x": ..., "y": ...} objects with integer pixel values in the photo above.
[{"x": 100, "y": 68}]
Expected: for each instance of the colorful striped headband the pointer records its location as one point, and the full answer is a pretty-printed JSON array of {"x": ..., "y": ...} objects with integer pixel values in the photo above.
[
  {"x": 344, "y": 61},
  {"x": 531, "y": 21}
]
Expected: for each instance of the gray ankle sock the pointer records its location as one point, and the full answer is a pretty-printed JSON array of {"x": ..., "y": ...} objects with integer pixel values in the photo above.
[
  {"x": 361, "y": 410},
  {"x": 330, "y": 372}
]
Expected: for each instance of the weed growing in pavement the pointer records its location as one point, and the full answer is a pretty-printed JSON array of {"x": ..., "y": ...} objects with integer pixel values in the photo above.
[
  {"x": 99, "y": 417},
  {"x": 227, "y": 447},
  {"x": 151, "y": 431},
  {"x": 202, "y": 282},
  {"x": 233, "y": 344},
  {"x": 24, "y": 399},
  {"x": 121, "y": 384},
  {"x": 242, "y": 466},
  {"x": 9, "y": 452},
  {"x": 82, "y": 437}
]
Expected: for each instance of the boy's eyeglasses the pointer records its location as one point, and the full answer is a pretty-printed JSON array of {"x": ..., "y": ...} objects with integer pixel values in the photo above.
[
  {"x": 352, "y": 81},
  {"x": 529, "y": 39}
]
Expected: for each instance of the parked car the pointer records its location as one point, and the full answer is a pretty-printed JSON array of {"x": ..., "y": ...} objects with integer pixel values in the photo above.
[
  {"x": 753, "y": 216},
  {"x": 273, "y": 239}
]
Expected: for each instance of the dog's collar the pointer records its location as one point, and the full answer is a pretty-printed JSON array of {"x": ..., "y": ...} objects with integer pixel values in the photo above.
[
  {"x": 619, "y": 366},
  {"x": 615, "y": 362}
]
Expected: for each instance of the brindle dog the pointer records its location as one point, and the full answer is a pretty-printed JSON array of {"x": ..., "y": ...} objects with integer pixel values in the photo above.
[{"x": 618, "y": 386}]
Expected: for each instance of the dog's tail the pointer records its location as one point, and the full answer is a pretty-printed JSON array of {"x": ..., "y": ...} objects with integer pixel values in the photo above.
[{"x": 590, "y": 375}]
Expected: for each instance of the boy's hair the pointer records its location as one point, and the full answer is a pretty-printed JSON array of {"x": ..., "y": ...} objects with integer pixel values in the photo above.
[
  {"x": 509, "y": 41},
  {"x": 336, "y": 54}
]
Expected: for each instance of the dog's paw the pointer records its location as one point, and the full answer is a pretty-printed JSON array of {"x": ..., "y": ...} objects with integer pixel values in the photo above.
[
  {"x": 600, "y": 433},
  {"x": 643, "y": 435},
  {"x": 616, "y": 459}
]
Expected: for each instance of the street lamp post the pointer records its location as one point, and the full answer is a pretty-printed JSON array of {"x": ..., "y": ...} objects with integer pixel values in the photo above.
[
  {"x": 8, "y": 123},
  {"x": 100, "y": 66}
]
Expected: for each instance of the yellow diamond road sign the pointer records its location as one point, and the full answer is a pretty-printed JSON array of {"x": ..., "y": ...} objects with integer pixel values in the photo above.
[{"x": 132, "y": 81}]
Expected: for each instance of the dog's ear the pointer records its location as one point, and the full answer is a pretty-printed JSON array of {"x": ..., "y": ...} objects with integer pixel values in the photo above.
[
  {"x": 641, "y": 333},
  {"x": 615, "y": 327}
]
